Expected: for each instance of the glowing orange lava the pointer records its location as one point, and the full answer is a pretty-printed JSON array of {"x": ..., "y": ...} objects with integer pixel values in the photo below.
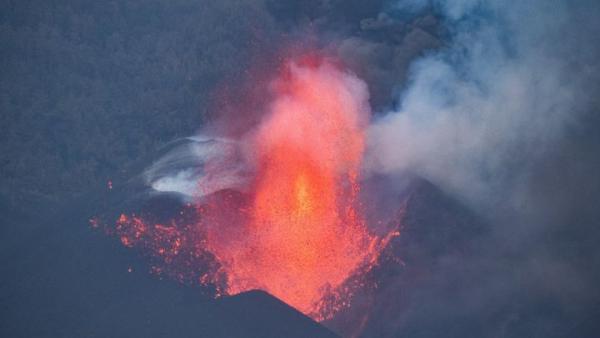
[
  {"x": 298, "y": 232},
  {"x": 305, "y": 235}
]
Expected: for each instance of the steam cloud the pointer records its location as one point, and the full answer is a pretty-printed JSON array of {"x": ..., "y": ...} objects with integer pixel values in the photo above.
[
  {"x": 504, "y": 117},
  {"x": 478, "y": 113},
  {"x": 184, "y": 167}
]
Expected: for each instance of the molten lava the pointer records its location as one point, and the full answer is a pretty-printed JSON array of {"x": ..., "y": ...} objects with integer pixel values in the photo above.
[
  {"x": 299, "y": 232},
  {"x": 304, "y": 235}
]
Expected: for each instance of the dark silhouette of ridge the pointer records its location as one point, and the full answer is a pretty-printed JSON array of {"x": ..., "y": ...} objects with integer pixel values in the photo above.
[{"x": 260, "y": 314}]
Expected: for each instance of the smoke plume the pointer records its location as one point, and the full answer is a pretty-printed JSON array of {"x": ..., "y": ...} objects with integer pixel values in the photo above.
[
  {"x": 480, "y": 112},
  {"x": 503, "y": 117}
]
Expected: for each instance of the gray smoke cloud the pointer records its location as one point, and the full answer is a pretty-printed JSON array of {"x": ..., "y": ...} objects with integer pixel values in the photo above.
[{"x": 479, "y": 113}]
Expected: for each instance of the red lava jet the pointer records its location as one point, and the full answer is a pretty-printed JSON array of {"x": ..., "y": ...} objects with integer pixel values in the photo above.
[{"x": 299, "y": 233}]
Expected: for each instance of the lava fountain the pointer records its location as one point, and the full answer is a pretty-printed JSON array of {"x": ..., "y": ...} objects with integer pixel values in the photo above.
[
  {"x": 298, "y": 233},
  {"x": 304, "y": 234}
]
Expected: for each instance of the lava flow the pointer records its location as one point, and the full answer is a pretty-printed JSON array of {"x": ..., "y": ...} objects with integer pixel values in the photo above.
[{"x": 299, "y": 232}]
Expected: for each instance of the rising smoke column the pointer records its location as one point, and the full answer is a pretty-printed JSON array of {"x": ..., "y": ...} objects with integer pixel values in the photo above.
[
  {"x": 476, "y": 114},
  {"x": 496, "y": 118}
]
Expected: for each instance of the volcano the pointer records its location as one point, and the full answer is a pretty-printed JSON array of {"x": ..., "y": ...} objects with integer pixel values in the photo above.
[{"x": 279, "y": 208}]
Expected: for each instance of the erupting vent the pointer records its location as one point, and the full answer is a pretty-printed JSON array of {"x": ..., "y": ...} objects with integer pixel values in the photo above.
[{"x": 300, "y": 233}]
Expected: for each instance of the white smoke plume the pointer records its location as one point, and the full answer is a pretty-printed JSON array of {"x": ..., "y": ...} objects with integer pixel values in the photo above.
[
  {"x": 479, "y": 112},
  {"x": 183, "y": 169}
]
